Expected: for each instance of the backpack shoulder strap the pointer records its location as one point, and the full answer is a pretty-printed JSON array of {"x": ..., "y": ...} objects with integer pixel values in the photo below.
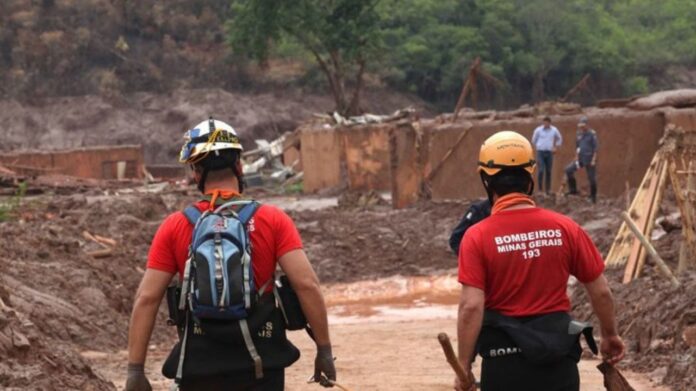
[
  {"x": 192, "y": 214},
  {"x": 248, "y": 211}
]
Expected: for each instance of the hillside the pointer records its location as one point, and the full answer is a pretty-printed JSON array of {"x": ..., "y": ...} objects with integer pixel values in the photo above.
[{"x": 158, "y": 121}]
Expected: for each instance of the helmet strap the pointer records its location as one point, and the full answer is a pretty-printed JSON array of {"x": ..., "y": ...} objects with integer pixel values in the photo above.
[
  {"x": 240, "y": 179},
  {"x": 201, "y": 181},
  {"x": 489, "y": 192}
]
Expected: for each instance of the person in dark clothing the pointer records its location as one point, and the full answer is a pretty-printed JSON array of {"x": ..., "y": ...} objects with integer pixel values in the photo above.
[
  {"x": 477, "y": 211},
  {"x": 586, "y": 157}
]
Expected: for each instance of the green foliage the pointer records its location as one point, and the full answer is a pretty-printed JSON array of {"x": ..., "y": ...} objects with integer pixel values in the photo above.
[
  {"x": 7, "y": 208},
  {"x": 538, "y": 48},
  {"x": 338, "y": 34},
  {"x": 295, "y": 188}
]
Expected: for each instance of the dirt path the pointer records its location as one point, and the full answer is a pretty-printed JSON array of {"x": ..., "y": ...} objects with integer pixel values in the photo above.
[{"x": 382, "y": 341}]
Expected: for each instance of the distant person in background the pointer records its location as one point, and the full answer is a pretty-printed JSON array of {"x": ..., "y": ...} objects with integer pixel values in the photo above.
[
  {"x": 585, "y": 157},
  {"x": 477, "y": 211},
  {"x": 546, "y": 139}
]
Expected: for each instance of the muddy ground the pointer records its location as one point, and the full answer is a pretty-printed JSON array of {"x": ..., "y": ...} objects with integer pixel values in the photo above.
[
  {"x": 58, "y": 301},
  {"x": 369, "y": 357}
]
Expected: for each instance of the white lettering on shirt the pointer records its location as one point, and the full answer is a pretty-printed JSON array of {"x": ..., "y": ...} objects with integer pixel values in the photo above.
[{"x": 533, "y": 240}]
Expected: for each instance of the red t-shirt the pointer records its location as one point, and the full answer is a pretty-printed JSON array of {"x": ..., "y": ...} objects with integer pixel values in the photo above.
[
  {"x": 522, "y": 259},
  {"x": 271, "y": 231}
]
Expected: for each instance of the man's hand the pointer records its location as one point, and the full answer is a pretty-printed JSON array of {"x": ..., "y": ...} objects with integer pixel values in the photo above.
[
  {"x": 324, "y": 364},
  {"x": 613, "y": 349},
  {"x": 136, "y": 378},
  {"x": 468, "y": 385}
]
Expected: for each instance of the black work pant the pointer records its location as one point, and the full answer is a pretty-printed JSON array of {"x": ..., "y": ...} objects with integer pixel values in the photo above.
[
  {"x": 591, "y": 177},
  {"x": 545, "y": 164},
  {"x": 273, "y": 380},
  {"x": 513, "y": 372}
]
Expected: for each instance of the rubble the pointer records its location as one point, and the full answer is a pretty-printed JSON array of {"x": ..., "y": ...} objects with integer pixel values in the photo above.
[
  {"x": 360, "y": 239},
  {"x": 264, "y": 165},
  {"x": 337, "y": 119},
  {"x": 674, "y": 98}
]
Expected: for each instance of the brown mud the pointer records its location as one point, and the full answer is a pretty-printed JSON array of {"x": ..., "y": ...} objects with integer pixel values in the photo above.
[
  {"x": 59, "y": 302},
  {"x": 384, "y": 336}
]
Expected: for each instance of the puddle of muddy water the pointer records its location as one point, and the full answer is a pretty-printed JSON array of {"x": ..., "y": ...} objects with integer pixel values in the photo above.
[
  {"x": 393, "y": 299},
  {"x": 302, "y": 203}
]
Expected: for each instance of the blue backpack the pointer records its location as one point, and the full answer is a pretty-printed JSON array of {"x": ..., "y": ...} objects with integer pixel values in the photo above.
[
  {"x": 218, "y": 281},
  {"x": 218, "y": 273}
]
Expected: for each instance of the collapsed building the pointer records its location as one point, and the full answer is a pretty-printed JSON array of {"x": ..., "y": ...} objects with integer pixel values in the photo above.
[{"x": 436, "y": 158}]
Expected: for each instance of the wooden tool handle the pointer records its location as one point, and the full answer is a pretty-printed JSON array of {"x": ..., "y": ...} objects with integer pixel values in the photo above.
[
  {"x": 344, "y": 388},
  {"x": 451, "y": 357}
]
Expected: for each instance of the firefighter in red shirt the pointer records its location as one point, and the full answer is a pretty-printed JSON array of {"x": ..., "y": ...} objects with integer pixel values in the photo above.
[
  {"x": 213, "y": 150},
  {"x": 514, "y": 268}
]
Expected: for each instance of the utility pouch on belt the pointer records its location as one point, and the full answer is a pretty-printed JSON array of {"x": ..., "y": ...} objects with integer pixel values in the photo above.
[
  {"x": 540, "y": 339},
  {"x": 289, "y": 304},
  {"x": 176, "y": 317}
]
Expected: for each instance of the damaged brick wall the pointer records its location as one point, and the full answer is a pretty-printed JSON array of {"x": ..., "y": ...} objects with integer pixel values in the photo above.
[
  {"x": 94, "y": 162},
  {"x": 399, "y": 156}
]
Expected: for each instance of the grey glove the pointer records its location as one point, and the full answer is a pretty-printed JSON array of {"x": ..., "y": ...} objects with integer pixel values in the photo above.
[
  {"x": 136, "y": 378},
  {"x": 324, "y": 364}
]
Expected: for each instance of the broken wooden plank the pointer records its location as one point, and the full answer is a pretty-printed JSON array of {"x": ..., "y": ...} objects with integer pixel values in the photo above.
[
  {"x": 103, "y": 253},
  {"x": 640, "y": 214},
  {"x": 651, "y": 250},
  {"x": 652, "y": 214},
  {"x": 621, "y": 247},
  {"x": 447, "y": 155},
  {"x": 686, "y": 201}
]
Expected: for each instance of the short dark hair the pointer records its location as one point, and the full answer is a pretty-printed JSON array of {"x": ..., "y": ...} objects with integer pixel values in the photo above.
[
  {"x": 219, "y": 165},
  {"x": 547, "y": 118},
  {"x": 218, "y": 160},
  {"x": 509, "y": 180}
]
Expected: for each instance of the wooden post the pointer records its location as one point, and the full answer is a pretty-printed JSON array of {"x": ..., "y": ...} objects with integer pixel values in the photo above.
[
  {"x": 651, "y": 250},
  {"x": 447, "y": 155},
  {"x": 687, "y": 252},
  {"x": 654, "y": 209}
]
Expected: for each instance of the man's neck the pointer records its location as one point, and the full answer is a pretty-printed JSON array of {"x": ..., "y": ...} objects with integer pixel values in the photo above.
[{"x": 222, "y": 186}]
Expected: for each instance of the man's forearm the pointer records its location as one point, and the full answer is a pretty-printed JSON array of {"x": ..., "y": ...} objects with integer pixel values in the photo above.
[
  {"x": 469, "y": 321},
  {"x": 141, "y": 324},
  {"x": 603, "y": 306},
  {"x": 314, "y": 308}
]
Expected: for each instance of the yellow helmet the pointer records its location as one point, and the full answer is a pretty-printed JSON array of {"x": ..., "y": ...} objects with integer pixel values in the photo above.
[{"x": 506, "y": 149}]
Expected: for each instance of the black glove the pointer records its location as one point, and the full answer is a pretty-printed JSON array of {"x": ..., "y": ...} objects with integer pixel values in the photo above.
[
  {"x": 324, "y": 363},
  {"x": 136, "y": 378}
]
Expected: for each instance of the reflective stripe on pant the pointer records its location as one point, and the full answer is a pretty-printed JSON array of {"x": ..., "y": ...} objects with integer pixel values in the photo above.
[
  {"x": 545, "y": 166},
  {"x": 513, "y": 372},
  {"x": 273, "y": 380}
]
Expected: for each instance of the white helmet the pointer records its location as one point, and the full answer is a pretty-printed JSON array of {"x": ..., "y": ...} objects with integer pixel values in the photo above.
[{"x": 210, "y": 135}]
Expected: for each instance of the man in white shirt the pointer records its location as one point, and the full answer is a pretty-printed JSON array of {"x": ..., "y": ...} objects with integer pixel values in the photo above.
[{"x": 546, "y": 140}]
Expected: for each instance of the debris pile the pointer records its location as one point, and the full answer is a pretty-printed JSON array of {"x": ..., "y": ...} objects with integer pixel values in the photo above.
[
  {"x": 264, "y": 165},
  {"x": 32, "y": 361},
  {"x": 336, "y": 119},
  {"x": 658, "y": 324},
  {"x": 674, "y": 160}
]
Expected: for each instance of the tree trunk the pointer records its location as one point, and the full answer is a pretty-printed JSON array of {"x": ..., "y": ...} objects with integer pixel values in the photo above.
[
  {"x": 354, "y": 107},
  {"x": 334, "y": 83},
  {"x": 538, "y": 86},
  {"x": 339, "y": 82}
]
